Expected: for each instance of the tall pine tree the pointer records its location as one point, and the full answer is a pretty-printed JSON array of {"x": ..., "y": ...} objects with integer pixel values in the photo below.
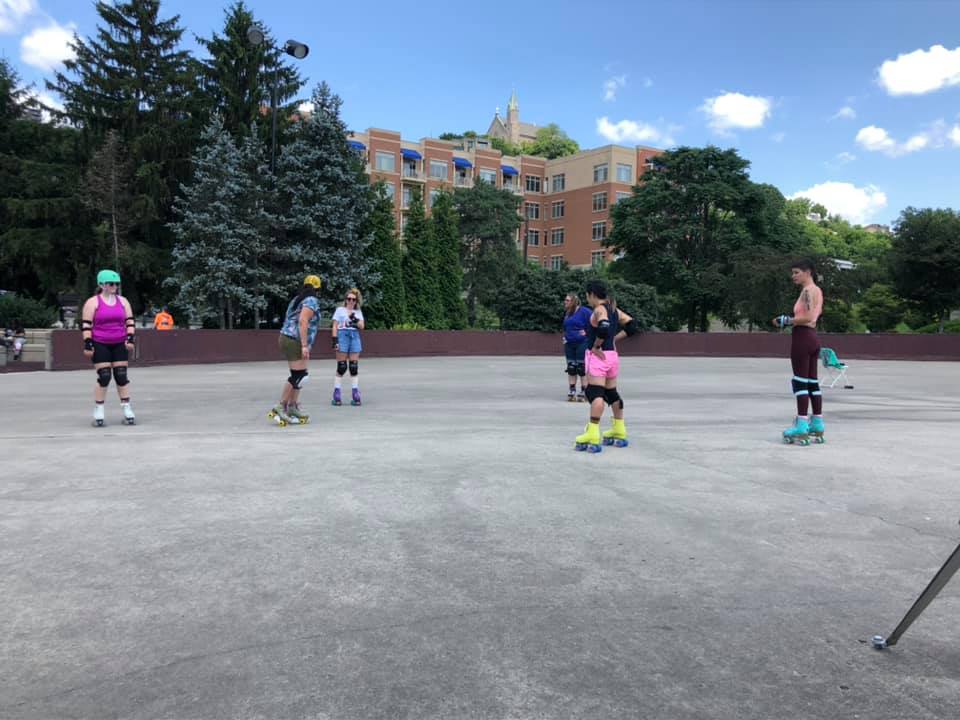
[
  {"x": 386, "y": 307},
  {"x": 218, "y": 245},
  {"x": 106, "y": 190},
  {"x": 132, "y": 78},
  {"x": 238, "y": 78},
  {"x": 325, "y": 202},
  {"x": 446, "y": 240},
  {"x": 424, "y": 304}
]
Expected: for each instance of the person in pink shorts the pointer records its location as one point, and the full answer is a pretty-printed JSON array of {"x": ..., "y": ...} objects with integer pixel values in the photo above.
[{"x": 607, "y": 324}]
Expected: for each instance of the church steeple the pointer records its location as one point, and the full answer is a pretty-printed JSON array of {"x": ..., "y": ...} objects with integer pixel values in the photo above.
[
  {"x": 513, "y": 105},
  {"x": 513, "y": 118}
]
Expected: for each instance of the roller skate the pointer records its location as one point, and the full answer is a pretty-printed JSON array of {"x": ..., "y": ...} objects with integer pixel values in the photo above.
[
  {"x": 295, "y": 413},
  {"x": 581, "y": 397},
  {"x": 336, "y": 397},
  {"x": 128, "y": 417},
  {"x": 616, "y": 435},
  {"x": 590, "y": 440},
  {"x": 98, "y": 415},
  {"x": 816, "y": 429},
  {"x": 279, "y": 415},
  {"x": 355, "y": 400},
  {"x": 572, "y": 395},
  {"x": 798, "y": 433}
]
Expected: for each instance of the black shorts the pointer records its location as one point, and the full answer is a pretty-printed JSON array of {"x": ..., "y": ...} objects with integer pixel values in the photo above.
[{"x": 109, "y": 353}]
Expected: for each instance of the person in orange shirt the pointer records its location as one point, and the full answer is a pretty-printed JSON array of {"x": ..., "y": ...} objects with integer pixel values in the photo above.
[{"x": 163, "y": 320}]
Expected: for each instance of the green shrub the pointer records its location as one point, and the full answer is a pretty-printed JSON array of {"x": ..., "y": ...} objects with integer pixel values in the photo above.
[
  {"x": 32, "y": 313},
  {"x": 950, "y": 326},
  {"x": 837, "y": 317}
]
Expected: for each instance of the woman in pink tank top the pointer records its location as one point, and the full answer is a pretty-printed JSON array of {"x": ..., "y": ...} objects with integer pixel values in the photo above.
[
  {"x": 805, "y": 355},
  {"x": 108, "y": 330}
]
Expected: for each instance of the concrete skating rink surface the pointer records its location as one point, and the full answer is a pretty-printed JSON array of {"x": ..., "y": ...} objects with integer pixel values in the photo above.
[{"x": 442, "y": 552}]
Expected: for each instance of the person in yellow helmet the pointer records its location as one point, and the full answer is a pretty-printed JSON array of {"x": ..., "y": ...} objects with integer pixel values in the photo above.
[{"x": 300, "y": 326}]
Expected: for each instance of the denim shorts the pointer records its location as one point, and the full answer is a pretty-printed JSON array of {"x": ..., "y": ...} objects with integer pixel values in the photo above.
[
  {"x": 348, "y": 341},
  {"x": 575, "y": 351}
]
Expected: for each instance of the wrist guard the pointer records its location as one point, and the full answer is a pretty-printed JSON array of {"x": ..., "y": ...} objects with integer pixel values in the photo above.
[
  {"x": 631, "y": 328},
  {"x": 130, "y": 338},
  {"x": 335, "y": 344},
  {"x": 88, "y": 344},
  {"x": 784, "y": 321}
]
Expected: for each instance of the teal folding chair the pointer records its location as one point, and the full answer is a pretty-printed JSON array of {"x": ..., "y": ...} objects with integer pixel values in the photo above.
[{"x": 837, "y": 369}]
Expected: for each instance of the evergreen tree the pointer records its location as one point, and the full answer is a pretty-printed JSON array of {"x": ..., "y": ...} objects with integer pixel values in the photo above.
[
  {"x": 132, "y": 78},
  {"x": 325, "y": 202},
  {"x": 106, "y": 190},
  {"x": 424, "y": 304},
  {"x": 11, "y": 94},
  {"x": 387, "y": 306},
  {"x": 238, "y": 78},
  {"x": 489, "y": 219},
  {"x": 446, "y": 239},
  {"x": 218, "y": 244}
]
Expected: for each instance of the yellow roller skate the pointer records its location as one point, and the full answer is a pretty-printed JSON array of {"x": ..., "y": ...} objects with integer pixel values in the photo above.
[
  {"x": 590, "y": 440},
  {"x": 279, "y": 416},
  {"x": 616, "y": 435}
]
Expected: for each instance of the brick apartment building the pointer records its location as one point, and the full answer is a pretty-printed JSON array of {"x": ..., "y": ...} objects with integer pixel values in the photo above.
[{"x": 565, "y": 202}]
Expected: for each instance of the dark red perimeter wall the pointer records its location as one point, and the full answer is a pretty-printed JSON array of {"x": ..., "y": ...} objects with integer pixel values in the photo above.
[{"x": 179, "y": 347}]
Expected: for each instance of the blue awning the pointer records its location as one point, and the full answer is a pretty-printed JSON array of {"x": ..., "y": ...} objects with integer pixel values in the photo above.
[
  {"x": 509, "y": 170},
  {"x": 462, "y": 163},
  {"x": 410, "y": 154},
  {"x": 356, "y": 145}
]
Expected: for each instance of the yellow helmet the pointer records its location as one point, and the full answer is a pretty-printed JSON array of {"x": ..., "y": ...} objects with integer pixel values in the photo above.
[{"x": 312, "y": 281}]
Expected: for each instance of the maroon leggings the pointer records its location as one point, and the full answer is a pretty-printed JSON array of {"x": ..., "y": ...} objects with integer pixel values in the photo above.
[{"x": 805, "y": 356}]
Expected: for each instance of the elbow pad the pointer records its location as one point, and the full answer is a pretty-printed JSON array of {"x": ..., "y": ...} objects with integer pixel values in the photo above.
[
  {"x": 603, "y": 329},
  {"x": 631, "y": 328}
]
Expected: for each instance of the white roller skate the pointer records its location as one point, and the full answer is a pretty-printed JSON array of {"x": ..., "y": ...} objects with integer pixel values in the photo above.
[
  {"x": 98, "y": 415},
  {"x": 279, "y": 415},
  {"x": 128, "y": 417}
]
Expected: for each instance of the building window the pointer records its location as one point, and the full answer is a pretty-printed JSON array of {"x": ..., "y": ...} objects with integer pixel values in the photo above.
[
  {"x": 556, "y": 236},
  {"x": 433, "y": 197},
  {"x": 403, "y": 224},
  {"x": 556, "y": 262},
  {"x": 386, "y": 161},
  {"x": 599, "y": 230},
  {"x": 407, "y": 196},
  {"x": 533, "y": 237},
  {"x": 622, "y": 196},
  {"x": 557, "y": 209},
  {"x": 533, "y": 183},
  {"x": 389, "y": 190},
  {"x": 597, "y": 258},
  {"x": 599, "y": 202},
  {"x": 438, "y": 169},
  {"x": 600, "y": 173},
  {"x": 624, "y": 173},
  {"x": 489, "y": 176},
  {"x": 559, "y": 182},
  {"x": 533, "y": 211}
]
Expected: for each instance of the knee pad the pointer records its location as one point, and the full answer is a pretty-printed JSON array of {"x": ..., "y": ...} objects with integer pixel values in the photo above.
[
  {"x": 571, "y": 368},
  {"x": 581, "y": 369},
  {"x": 103, "y": 377},
  {"x": 120, "y": 375},
  {"x": 612, "y": 396},
  {"x": 341, "y": 367},
  {"x": 354, "y": 367},
  {"x": 799, "y": 385},
  {"x": 814, "y": 388},
  {"x": 594, "y": 392},
  {"x": 297, "y": 378}
]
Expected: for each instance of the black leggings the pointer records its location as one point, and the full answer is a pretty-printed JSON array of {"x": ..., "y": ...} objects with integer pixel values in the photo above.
[{"x": 805, "y": 356}]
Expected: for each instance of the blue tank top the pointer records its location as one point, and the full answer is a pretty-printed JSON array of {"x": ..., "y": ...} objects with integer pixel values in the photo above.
[{"x": 614, "y": 317}]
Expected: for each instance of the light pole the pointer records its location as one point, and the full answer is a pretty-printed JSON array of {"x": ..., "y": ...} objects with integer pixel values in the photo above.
[{"x": 294, "y": 48}]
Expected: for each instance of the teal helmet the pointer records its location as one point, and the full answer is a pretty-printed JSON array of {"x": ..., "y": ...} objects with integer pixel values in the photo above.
[{"x": 108, "y": 276}]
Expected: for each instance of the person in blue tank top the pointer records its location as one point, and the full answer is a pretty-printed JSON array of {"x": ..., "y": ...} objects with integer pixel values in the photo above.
[
  {"x": 576, "y": 321},
  {"x": 300, "y": 325}
]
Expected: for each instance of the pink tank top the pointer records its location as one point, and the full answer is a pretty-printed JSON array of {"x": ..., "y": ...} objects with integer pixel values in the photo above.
[
  {"x": 109, "y": 322},
  {"x": 798, "y": 306}
]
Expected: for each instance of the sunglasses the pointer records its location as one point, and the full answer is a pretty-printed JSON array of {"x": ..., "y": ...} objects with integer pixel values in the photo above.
[{"x": 353, "y": 299}]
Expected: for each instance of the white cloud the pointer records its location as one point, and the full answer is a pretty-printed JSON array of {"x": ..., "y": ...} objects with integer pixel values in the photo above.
[
  {"x": 47, "y": 100},
  {"x": 611, "y": 86},
  {"x": 306, "y": 108},
  {"x": 633, "y": 132},
  {"x": 845, "y": 157},
  {"x": 845, "y": 113},
  {"x": 876, "y": 139},
  {"x": 856, "y": 204},
  {"x": 47, "y": 47},
  {"x": 778, "y": 137},
  {"x": 955, "y": 135},
  {"x": 921, "y": 71},
  {"x": 12, "y": 13},
  {"x": 735, "y": 110}
]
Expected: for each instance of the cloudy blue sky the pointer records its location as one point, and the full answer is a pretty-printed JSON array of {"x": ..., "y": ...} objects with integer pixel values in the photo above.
[{"x": 855, "y": 103}]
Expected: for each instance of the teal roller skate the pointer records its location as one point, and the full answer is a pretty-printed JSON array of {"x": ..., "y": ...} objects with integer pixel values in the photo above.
[
  {"x": 279, "y": 415},
  {"x": 297, "y": 415},
  {"x": 589, "y": 440},
  {"x": 798, "y": 433},
  {"x": 816, "y": 429}
]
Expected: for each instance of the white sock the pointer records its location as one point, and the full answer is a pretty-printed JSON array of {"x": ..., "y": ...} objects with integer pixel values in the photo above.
[
  {"x": 336, "y": 382},
  {"x": 355, "y": 383}
]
